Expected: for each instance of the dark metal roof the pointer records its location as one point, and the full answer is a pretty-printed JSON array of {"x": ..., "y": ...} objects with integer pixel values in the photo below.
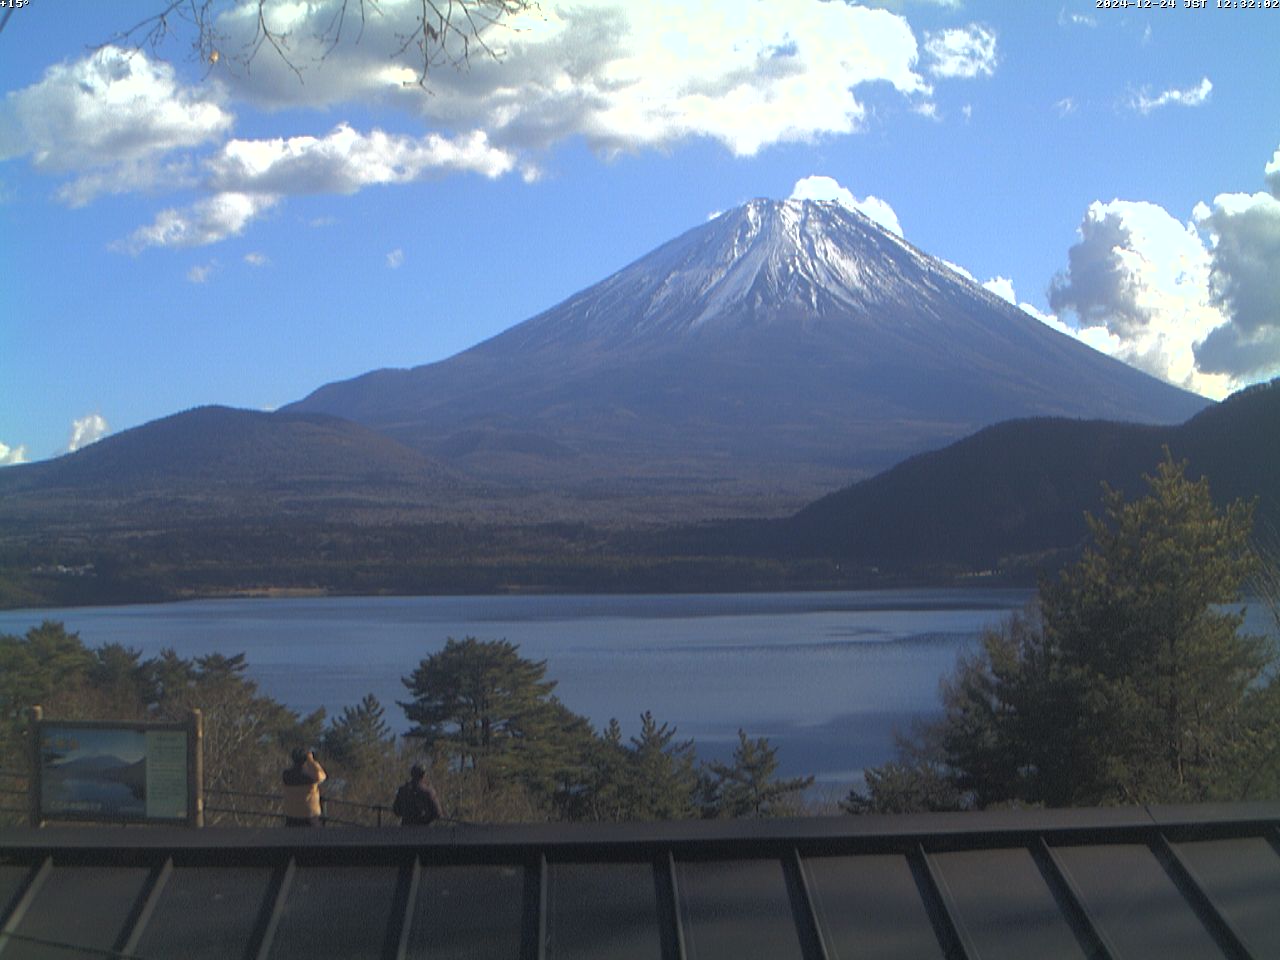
[{"x": 1161, "y": 883}]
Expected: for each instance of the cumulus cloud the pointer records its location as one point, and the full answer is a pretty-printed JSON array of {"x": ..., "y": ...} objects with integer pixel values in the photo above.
[
  {"x": 87, "y": 430},
  {"x": 1002, "y": 287},
  {"x": 395, "y": 259},
  {"x": 345, "y": 161},
  {"x": 962, "y": 52},
  {"x": 1195, "y": 303},
  {"x": 1138, "y": 283},
  {"x": 111, "y": 120},
  {"x": 1144, "y": 103},
  {"x": 613, "y": 74},
  {"x": 256, "y": 259},
  {"x": 827, "y": 188},
  {"x": 1244, "y": 283},
  {"x": 1272, "y": 174},
  {"x": 616, "y": 74},
  {"x": 12, "y": 455},
  {"x": 207, "y": 221}
]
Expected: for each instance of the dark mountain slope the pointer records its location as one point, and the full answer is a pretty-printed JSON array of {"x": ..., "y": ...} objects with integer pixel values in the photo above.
[
  {"x": 1021, "y": 488},
  {"x": 769, "y": 355},
  {"x": 233, "y": 462}
]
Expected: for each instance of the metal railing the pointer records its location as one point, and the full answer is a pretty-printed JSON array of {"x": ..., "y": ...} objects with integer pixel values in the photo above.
[
  {"x": 266, "y": 807},
  {"x": 238, "y": 805}
]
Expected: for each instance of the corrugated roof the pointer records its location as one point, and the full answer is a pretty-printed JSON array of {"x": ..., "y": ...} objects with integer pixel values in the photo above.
[{"x": 1161, "y": 883}]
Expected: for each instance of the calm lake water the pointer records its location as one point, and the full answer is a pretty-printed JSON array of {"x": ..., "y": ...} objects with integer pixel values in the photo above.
[{"x": 826, "y": 676}]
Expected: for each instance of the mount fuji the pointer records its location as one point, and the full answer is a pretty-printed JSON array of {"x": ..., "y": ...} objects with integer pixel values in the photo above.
[{"x": 766, "y": 357}]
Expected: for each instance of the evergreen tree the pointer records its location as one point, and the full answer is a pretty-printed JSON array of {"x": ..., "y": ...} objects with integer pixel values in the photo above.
[
  {"x": 474, "y": 699},
  {"x": 661, "y": 777},
  {"x": 748, "y": 787},
  {"x": 488, "y": 710},
  {"x": 607, "y": 795},
  {"x": 359, "y": 737},
  {"x": 1129, "y": 682},
  {"x": 1148, "y": 674}
]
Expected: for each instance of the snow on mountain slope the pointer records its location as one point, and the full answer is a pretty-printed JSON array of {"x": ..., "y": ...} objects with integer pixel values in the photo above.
[{"x": 761, "y": 263}]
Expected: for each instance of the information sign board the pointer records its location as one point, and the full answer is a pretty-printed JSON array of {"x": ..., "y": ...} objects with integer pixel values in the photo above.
[{"x": 117, "y": 772}]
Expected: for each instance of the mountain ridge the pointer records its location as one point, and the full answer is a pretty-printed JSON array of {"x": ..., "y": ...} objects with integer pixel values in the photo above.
[
  {"x": 1021, "y": 488},
  {"x": 772, "y": 354}
]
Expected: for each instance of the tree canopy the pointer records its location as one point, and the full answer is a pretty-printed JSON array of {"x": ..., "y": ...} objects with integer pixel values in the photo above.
[
  {"x": 498, "y": 743},
  {"x": 1128, "y": 681}
]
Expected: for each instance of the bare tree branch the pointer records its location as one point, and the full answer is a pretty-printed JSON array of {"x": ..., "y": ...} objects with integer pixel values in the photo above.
[{"x": 444, "y": 35}]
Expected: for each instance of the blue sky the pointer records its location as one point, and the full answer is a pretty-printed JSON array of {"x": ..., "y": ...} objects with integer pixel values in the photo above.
[{"x": 180, "y": 231}]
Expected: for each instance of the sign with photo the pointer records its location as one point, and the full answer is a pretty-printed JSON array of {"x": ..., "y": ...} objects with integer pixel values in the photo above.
[{"x": 118, "y": 772}]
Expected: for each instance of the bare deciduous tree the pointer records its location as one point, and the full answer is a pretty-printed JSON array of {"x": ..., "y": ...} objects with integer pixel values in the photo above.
[{"x": 444, "y": 32}]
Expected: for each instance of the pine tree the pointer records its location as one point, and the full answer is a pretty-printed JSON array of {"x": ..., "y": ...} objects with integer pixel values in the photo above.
[
  {"x": 359, "y": 737},
  {"x": 474, "y": 700},
  {"x": 1128, "y": 682},
  {"x": 661, "y": 776},
  {"x": 748, "y": 787},
  {"x": 490, "y": 713},
  {"x": 1147, "y": 673}
]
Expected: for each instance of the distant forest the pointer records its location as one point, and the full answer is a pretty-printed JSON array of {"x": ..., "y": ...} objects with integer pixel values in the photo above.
[{"x": 1004, "y": 506}]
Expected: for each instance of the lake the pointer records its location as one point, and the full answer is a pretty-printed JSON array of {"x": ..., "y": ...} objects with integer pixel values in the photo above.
[{"x": 825, "y": 676}]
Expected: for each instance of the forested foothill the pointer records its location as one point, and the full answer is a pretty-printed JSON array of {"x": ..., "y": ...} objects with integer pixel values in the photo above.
[
  {"x": 1005, "y": 505},
  {"x": 499, "y": 744}
]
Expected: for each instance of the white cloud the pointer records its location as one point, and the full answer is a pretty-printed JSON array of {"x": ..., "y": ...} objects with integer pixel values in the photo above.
[
  {"x": 1065, "y": 107},
  {"x": 962, "y": 51},
  {"x": 617, "y": 75},
  {"x": 1138, "y": 284},
  {"x": 826, "y": 188},
  {"x": 256, "y": 259},
  {"x": 621, "y": 75},
  {"x": 1189, "y": 97},
  {"x": 1048, "y": 319},
  {"x": 206, "y": 221},
  {"x": 395, "y": 259},
  {"x": 87, "y": 430},
  {"x": 201, "y": 273},
  {"x": 1075, "y": 19},
  {"x": 110, "y": 118},
  {"x": 1002, "y": 287},
  {"x": 1272, "y": 174},
  {"x": 900, "y": 4},
  {"x": 1244, "y": 283},
  {"x": 9, "y": 456},
  {"x": 961, "y": 270},
  {"x": 345, "y": 161},
  {"x": 1148, "y": 289}
]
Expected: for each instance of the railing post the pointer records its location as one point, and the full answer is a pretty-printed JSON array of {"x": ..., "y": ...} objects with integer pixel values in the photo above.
[
  {"x": 34, "y": 716},
  {"x": 195, "y": 770}
]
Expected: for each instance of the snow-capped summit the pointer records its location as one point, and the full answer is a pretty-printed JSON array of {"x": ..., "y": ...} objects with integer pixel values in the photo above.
[
  {"x": 778, "y": 351},
  {"x": 767, "y": 262}
]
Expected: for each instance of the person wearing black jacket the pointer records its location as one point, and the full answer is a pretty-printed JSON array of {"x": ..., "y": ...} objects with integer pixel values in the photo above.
[{"x": 416, "y": 802}]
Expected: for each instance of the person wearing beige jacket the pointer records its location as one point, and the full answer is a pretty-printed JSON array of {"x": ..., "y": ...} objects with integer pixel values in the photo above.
[{"x": 302, "y": 789}]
